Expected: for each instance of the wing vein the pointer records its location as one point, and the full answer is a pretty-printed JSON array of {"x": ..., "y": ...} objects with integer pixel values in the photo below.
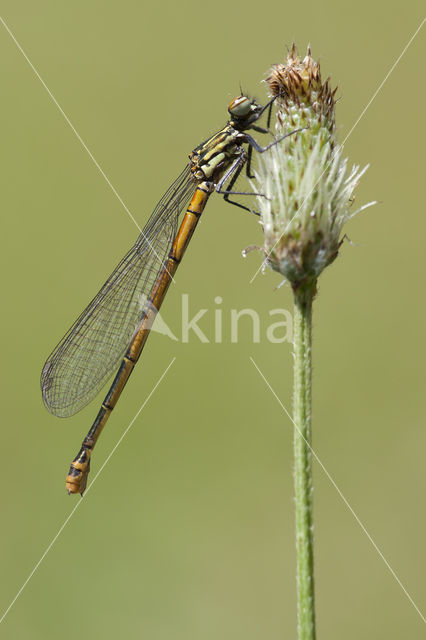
[{"x": 86, "y": 356}]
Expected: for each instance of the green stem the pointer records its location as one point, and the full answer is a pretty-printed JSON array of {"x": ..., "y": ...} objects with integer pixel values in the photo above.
[{"x": 303, "y": 298}]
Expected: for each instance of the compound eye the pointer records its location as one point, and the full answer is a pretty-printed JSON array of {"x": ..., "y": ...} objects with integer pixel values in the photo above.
[{"x": 239, "y": 107}]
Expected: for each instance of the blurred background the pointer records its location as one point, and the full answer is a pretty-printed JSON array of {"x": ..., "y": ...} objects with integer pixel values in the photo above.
[{"x": 189, "y": 530}]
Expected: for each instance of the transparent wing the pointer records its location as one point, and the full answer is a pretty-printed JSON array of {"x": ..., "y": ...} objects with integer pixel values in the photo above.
[{"x": 80, "y": 364}]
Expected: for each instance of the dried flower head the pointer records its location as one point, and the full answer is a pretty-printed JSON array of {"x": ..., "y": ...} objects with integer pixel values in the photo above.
[{"x": 307, "y": 182}]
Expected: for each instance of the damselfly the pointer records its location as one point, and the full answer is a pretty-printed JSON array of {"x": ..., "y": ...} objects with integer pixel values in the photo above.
[{"x": 115, "y": 325}]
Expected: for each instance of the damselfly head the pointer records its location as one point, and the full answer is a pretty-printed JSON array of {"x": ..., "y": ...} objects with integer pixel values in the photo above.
[{"x": 241, "y": 107}]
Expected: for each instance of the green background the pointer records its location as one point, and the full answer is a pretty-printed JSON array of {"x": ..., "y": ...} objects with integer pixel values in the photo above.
[{"x": 189, "y": 533}]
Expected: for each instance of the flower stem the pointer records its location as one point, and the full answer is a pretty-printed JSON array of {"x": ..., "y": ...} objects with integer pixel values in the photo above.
[{"x": 303, "y": 297}]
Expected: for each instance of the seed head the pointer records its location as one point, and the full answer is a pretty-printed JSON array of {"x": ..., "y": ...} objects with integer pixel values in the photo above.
[{"x": 308, "y": 186}]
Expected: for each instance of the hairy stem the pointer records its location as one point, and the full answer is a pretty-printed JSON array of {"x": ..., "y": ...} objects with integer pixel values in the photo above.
[{"x": 303, "y": 298}]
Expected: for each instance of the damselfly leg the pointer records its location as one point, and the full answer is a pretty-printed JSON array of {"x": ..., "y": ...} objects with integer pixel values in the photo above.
[{"x": 245, "y": 160}]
